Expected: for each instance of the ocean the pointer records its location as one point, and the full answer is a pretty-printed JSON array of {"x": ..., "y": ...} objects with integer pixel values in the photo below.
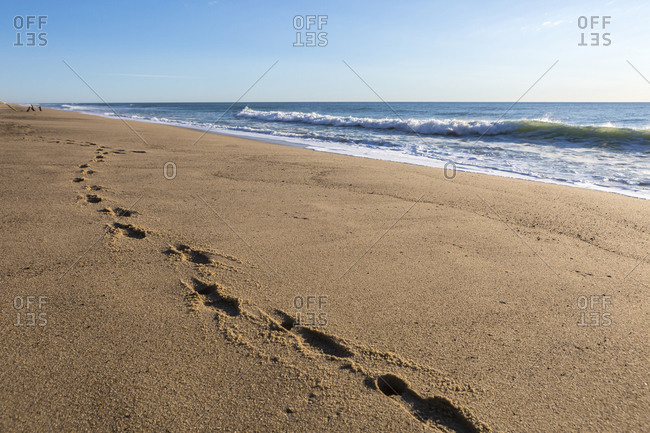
[{"x": 603, "y": 146}]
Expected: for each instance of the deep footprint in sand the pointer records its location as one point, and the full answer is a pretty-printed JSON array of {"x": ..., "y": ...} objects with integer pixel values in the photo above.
[
  {"x": 314, "y": 338},
  {"x": 196, "y": 255},
  {"x": 129, "y": 230},
  {"x": 215, "y": 297},
  {"x": 286, "y": 321},
  {"x": 118, "y": 211},
  {"x": 438, "y": 411},
  {"x": 93, "y": 198},
  {"x": 191, "y": 255},
  {"x": 78, "y": 179},
  {"x": 323, "y": 342}
]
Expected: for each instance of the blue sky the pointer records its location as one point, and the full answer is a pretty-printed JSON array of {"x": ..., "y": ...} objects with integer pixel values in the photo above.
[{"x": 138, "y": 51}]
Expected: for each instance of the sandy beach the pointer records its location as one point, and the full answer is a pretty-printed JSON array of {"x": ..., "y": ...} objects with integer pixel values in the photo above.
[{"x": 158, "y": 279}]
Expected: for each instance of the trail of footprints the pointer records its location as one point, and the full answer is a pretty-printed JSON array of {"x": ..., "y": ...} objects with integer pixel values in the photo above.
[
  {"x": 91, "y": 196},
  {"x": 245, "y": 324}
]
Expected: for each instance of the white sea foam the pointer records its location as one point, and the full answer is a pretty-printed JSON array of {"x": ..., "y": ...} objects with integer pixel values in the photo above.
[
  {"x": 527, "y": 129},
  {"x": 73, "y": 107},
  {"x": 421, "y": 126}
]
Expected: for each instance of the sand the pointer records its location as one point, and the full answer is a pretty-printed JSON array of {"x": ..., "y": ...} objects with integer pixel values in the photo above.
[{"x": 271, "y": 288}]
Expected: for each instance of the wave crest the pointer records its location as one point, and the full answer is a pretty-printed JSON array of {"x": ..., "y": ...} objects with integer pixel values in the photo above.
[
  {"x": 419, "y": 126},
  {"x": 455, "y": 127}
]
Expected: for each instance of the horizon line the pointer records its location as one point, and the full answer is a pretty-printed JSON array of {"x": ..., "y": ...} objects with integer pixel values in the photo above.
[{"x": 343, "y": 102}]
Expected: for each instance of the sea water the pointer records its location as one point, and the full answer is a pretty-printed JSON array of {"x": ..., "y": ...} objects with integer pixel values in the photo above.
[{"x": 604, "y": 146}]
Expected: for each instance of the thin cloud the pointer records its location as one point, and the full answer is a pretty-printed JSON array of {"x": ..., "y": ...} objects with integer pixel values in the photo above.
[
  {"x": 548, "y": 24},
  {"x": 543, "y": 26}
]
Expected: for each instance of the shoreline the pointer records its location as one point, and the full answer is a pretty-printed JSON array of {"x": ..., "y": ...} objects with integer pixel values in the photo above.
[
  {"x": 172, "y": 303},
  {"x": 368, "y": 153}
]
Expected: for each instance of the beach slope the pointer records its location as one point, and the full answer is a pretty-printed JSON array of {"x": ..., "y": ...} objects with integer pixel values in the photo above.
[{"x": 158, "y": 279}]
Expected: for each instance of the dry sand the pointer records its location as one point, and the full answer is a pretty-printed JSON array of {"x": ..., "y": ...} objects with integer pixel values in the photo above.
[{"x": 470, "y": 305}]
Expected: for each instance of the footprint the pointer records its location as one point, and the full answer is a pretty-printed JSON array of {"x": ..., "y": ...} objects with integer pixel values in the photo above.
[
  {"x": 138, "y": 151},
  {"x": 390, "y": 384},
  {"x": 118, "y": 211},
  {"x": 286, "y": 322},
  {"x": 438, "y": 411},
  {"x": 94, "y": 188},
  {"x": 83, "y": 165},
  {"x": 215, "y": 297},
  {"x": 327, "y": 344},
  {"x": 323, "y": 342},
  {"x": 92, "y": 198},
  {"x": 130, "y": 230},
  {"x": 78, "y": 179},
  {"x": 196, "y": 255}
]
